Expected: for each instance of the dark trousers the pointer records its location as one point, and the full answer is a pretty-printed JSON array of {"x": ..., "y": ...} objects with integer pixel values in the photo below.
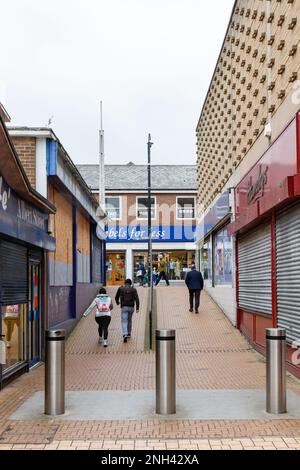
[
  {"x": 194, "y": 293},
  {"x": 103, "y": 324},
  {"x": 162, "y": 275}
]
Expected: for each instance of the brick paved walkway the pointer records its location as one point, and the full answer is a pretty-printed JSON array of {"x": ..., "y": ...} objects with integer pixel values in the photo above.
[{"x": 211, "y": 354}]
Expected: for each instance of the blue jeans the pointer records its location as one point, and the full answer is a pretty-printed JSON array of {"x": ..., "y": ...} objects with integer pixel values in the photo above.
[{"x": 126, "y": 320}]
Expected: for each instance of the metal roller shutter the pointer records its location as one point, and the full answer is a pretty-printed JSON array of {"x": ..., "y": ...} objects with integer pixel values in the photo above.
[
  {"x": 254, "y": 271},
  {"x": 13, "y": 274},
  {"x": 288, "y": 271}
]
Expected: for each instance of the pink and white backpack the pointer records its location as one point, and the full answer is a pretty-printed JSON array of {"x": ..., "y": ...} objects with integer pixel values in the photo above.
[{"x": 103, "y": 303}]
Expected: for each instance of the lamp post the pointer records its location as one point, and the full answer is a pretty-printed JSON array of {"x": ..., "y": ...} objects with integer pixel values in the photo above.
[{"x": 150, "y": 276}]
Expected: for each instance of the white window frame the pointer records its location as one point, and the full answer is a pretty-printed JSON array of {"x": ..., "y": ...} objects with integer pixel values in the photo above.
[
  {"x": 137, "y": 207},
  {"x": 185, "y": 218},
  {"x": 120, "y": 206}
]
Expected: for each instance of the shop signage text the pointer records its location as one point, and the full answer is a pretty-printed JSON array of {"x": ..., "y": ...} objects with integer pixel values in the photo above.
[
  {"x": 158, "y": 233},
  {"x": 30, "y": 215},
  {"x": 4, "y": 195},
  {"x": 256, "y": 189},
  {"x": 18, "y": 208}
]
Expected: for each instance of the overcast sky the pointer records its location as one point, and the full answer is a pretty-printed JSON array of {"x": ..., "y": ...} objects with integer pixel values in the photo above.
[{"x": 149, "y": 61}]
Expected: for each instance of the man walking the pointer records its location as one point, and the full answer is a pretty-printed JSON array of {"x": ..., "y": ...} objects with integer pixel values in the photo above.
[
  {"x": 162, "y": 272},
  {"x": 128, "y": 297},
  {"x": 194, "y": 282}
]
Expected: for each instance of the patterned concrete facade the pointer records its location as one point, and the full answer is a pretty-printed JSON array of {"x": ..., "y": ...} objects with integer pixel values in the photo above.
[{"x": 255, "y": 82}]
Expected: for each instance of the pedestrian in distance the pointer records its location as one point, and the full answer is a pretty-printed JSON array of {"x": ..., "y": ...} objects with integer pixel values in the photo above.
[
  {"x": 162, "y": 272},
  {"x": 195, "y": 284},
  {"x": 103, "y": 315},
  {"x": 127, "y": 296},
  {"x": 141, "y": 272}
]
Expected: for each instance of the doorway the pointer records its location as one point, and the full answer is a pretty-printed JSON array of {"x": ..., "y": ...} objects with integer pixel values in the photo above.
[
  {"x": 34, "y": 314},
  {"x": 115, "y": 269}
]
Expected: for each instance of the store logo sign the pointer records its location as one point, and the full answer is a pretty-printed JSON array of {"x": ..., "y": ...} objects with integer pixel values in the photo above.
[
  {"x": 4, "y": 195},
  {"x": 256, "y": 189},
  {"x": 30, "y": 215}
]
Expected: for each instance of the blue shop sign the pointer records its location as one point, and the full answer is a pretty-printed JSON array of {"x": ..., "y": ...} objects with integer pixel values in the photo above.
[
  {"x": 218, "y": 211},
  {"x": 21, "y": 220},
  {"x": 139, "y": 233}
]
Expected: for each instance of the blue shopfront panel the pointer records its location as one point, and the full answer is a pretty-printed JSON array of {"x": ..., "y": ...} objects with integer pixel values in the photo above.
[{"x": 139, "y": 233}]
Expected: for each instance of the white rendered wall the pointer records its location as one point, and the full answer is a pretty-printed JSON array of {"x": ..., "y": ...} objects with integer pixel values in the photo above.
[{"x": 41, "y": 166}]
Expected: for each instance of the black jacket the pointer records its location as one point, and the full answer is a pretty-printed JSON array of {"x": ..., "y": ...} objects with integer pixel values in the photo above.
[
  {"x": 194, "y": 280},
  {"x": 127, "y": 296}
]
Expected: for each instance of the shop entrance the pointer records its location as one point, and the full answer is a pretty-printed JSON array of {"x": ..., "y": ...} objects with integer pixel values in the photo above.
[
  {"x": 34, "y": 312},
  {"x": 177, "y": 263},
  {"x": 115, "y": 269}
]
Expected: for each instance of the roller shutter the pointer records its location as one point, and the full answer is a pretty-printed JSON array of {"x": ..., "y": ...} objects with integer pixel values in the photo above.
[
  {"x": 13, "y": 274},
  {"x": 254, "y": 271},
  {"x": 288, "y": 271}
]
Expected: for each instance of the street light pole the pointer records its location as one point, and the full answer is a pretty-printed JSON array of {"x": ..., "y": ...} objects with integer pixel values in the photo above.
[{"x": 150, "y": 269}]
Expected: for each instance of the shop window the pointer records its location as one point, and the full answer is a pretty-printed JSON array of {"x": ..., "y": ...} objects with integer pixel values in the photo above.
[
  {"x": 113, "y": 207},
  {"x": 205, "y": 261},
  {"x": 142, "y": 208},
  {"x": 185, "y": 207},
  {"x": 14, "y": 334},
  {"x": 177, "y": 263},
  {"x": 223, "y": 258}
]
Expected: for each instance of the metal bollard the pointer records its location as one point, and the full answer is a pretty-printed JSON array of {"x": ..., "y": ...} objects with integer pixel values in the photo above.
[
  {"x": 55, "y": 372},
  {"x": 165, "y": 372},
  {"x": 276, "y": 370}
]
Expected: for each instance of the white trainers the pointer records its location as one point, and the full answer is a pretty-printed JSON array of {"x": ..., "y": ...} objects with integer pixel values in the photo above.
[
  {"x": 105, "y": 343},
  {"x": 100, "y": 340}
]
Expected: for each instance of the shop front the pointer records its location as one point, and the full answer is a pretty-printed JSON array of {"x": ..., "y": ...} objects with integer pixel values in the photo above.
[
  {"x": 175, "y": 245},
  {"x": 115, "y": 268},
  {"x": 177, "y": 262},
  {"x": 24, "y": 241},
  {"x": 215, "y": 254},
  {"x": 267, "y": 229}
]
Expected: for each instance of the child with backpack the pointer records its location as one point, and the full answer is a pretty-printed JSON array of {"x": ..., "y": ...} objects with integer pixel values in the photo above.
[{"x": 103, "y": 315}]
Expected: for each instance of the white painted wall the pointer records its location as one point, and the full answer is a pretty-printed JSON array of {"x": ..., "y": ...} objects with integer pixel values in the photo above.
[{"x": 41, "y": 166}]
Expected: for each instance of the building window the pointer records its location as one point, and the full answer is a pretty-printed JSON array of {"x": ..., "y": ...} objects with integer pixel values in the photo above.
[
  {"x": 113, "y": 207},
  {"x": 142, "y": 208},
  {"x": 223, "y": 258},
  {"x": 14, "y": 334},
  {"x": 185, "y": 207},
  {"x": 205, "y": 260}
]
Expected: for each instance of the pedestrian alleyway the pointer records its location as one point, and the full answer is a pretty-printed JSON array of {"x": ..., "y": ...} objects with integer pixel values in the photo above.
[{"x": 211, "y": 355}]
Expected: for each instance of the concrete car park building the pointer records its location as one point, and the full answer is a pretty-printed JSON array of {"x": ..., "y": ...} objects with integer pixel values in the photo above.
[
  {"x": 248, "y": 150},
  {"x": 173, "y": 217}
]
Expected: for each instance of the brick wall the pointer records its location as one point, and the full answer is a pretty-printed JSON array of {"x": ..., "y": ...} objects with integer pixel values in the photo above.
[
  {"x": 26, "y": 149},
  {"x": 251, "y": 86},
  {"x": 165, "y": 213}
]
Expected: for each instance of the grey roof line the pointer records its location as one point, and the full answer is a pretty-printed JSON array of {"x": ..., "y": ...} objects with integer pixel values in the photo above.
[{"x": 134, "y": 177}]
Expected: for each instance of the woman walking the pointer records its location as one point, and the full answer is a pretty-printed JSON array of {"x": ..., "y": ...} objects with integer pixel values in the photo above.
[{"x": 103, "y": 315}]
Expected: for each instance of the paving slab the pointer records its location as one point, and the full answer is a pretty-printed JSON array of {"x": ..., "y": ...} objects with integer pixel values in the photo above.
[{"x": 140, "y": 405}]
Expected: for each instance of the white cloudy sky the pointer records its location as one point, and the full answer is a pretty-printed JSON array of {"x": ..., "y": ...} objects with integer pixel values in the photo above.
[{"x": 150, "y": 61}]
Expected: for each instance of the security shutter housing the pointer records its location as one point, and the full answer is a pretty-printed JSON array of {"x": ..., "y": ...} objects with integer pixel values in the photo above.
[
  {"x": 13, "y": 274},
  {"x": 288, "y": 271},
  {"x": 255, "y": 271}
]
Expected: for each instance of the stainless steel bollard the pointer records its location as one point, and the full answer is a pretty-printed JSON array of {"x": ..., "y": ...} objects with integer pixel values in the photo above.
[
  {"x": 276, "y": 370},
  {"x": 55, "y": 372},
  {"x": 165, "y": 372}
]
